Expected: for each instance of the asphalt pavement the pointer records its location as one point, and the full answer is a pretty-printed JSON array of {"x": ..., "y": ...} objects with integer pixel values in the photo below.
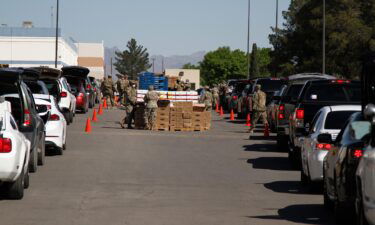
[{"x": 131, "y": 177}]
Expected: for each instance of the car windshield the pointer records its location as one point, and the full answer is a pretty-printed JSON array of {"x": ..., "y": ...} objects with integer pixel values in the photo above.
[
  {"x": 334, "y": 93},
  {"x": 271, "y": 85},
  {"x": 336, "y": 120},
  {"x": 76, "y": 84},
  {"x": 37, "y": 88}
]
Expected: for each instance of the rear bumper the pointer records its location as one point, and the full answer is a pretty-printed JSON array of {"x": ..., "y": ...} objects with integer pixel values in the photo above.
[{"x": 54, "y": 133}]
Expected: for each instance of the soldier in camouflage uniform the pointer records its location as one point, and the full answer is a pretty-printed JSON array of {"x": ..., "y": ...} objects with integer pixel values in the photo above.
[
  {"x": 108, "y": 89},
  {"x": 120, "y": 87},
  {"x": 215, "y": 95},
  {"x": 131, "y": 101},
  {"x": 207, "y": 98},
  {"x": 187, "y": 86},
  {"x": 151, "y": 101},
  {"x": 259, "y": 108}
]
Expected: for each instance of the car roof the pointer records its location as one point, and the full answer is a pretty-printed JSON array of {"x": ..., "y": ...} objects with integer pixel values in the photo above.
[
  {"x": 307, "y": 76},
  {"x": 335, "y": 108},
  {"x": 336, "y": 81},
  {"x": 19, "y": 73}
]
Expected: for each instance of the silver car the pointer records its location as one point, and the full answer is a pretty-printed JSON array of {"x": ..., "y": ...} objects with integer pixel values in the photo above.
[{"x": 328, "y": 120}]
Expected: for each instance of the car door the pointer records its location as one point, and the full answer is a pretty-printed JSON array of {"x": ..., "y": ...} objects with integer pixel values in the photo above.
[{"x": 307, "y": 146}]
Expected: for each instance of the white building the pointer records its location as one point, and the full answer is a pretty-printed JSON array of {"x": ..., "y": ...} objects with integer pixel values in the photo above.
[{"x": 31, "y": 47}]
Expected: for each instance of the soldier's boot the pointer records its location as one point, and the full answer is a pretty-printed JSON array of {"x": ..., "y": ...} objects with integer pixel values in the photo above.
[
  {"x": 147, "y": 127},
  {"x": 122, "y": 123}
]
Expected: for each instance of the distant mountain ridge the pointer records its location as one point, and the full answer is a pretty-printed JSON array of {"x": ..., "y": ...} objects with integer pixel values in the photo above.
[{"x": 170, "y": 62}]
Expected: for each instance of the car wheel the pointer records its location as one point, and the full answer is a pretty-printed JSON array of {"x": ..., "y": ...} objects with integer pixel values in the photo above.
[
  {"x": 15, "y": 190},
  {"x": 59, "y": 151},
  {"x": 305, "y": 180},
  {"x": 67, "y": 117},
  {"x": 42, "y": 152},
  {"x": 361, "y": 218},
  {"x": 327, "y": 201},
  {"x": 26, "y": 181},
  {"x": 33, "y": 164}
]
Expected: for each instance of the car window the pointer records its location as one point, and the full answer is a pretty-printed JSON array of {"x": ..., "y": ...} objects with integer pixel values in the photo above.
[
  {"x": 294, "y": 91},
  {"x": 271, "y": 85},
  {"x": 53, "y": 87},
  {"x": 333, "y": 93},
  {"x": 334, "y": 119},
  {"x": 13, "y": 123},
  {"x": 341, "y": 134},
  {"x": 36, "y": 88}
]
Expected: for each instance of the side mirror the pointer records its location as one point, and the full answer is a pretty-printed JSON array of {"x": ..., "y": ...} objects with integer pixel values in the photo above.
[
  {"x": 325, "y": 138},
  {"x": 369, "y": 113}
]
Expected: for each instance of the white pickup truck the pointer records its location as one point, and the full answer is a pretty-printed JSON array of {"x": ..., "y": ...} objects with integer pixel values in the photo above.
[{"x": 14, "y": 155}]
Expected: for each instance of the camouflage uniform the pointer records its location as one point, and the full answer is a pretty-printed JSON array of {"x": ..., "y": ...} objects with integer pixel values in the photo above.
[
  {"x": 187, "y": 86},
  {"x": 120, "y": 88},
  {"x": 131, "y": 101},
  {"x": 151, "y": 100},
  {"x": 215, "y": 95},
  {"x": 207, "y": 99},
  {"x": 108, "y": 90},
  {"x": 259, "y": 108}
]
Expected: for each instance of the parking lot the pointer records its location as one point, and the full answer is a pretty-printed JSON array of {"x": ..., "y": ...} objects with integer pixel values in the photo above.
[{"x": 114, "y": 176}]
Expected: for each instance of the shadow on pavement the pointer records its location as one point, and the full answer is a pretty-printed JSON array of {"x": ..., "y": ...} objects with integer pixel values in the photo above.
[
  {"x": 306, "y": 214},
  {"x": 292, "y": 187},
  {"x": 271, "y": 163},
  {"x": 262, "y": 138},
  {"x": 261, "y": 148}
]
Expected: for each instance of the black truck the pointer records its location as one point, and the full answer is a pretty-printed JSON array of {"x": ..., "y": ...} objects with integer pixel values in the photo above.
[{"x": 315, "y": 95}]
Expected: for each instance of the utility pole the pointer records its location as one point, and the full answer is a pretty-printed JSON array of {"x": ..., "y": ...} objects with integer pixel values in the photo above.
[
  {"x": 324, "y": 36},
  {"x": 111, "y": 66},
  {"x": 248, "y": 39},
  {"x": 153, "y": 65},
  {"x": 51, "y": 16},
  {"x": 57, "y": 34},
  {"x": 277, "y": 16}
]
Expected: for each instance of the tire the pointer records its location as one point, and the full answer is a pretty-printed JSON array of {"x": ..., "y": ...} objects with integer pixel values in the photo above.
[
  {"x": 33, "y": 164},
  {"x": 42, "y": 154},
  {"x": 341, "y": 213},
  {"x": 305, "y": 180},
  {"x": 26, "y": 181},
  {"x": 59, "y": 151},
  {"x": 15, "y": 190},
  {"x": 282, "y": 143},
  {"x": 328, "y": 203}
]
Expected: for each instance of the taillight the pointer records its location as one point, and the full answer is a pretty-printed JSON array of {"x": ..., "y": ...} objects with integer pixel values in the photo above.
[
  {"x": 54, "y": 117},
  {"x": 88, "y": 86},
  {"x": 27, "y": 118},
  {"x": 341, "y": 81},
  {"x": 321, "y": 146},
  {"x": 358, "y": 153},
  {"x": 63, "y": 94},
  {"x": 5, "y": 145},
  {"x": 300, "y": 114},
  {"x": 281, "y": 115},
  {"x": 235, "y": 97}
]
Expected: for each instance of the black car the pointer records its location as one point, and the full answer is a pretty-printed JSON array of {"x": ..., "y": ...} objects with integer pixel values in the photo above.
[
  {"x": 269, "y": 86},
  {"x": 340, "y": 166},
  {"x": 315, "y": 95},
  {"x": 24, "y": 110},
  {"x": 287, "y": 104},
  {"x": 80, "y": 86}
]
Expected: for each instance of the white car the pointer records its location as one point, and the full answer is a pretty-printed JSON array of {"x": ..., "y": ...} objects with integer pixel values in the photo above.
[
  {"x": 14, "y": 155},
  {"x": 67, "y": 99},
  {"x": 329, "y": 119},
  {"x": 56, "y": 126}
]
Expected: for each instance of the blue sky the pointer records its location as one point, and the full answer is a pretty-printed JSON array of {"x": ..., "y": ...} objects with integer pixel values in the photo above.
[{"x": 165, "y": 27}]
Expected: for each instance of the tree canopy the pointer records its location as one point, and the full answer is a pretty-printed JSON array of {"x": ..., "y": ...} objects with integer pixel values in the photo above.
[
  {"x": 132, "y": 61},
  {"x": 349, "y": 37}
]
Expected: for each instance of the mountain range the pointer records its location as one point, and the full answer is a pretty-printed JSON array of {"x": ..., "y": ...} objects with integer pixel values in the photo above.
[{"x": 170, "y": 62}]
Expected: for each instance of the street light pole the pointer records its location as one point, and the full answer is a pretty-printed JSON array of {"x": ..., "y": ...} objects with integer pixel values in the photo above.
[
  {"x": 248, "y": 39},
  {"x": 324, "y": 37},
  {"x": 57, "y": 34},
  {"x": 277, "y": 15}
]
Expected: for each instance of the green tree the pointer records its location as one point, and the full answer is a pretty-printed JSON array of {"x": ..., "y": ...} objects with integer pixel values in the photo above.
[
  {"x": 132, "y": 61},
  {"x": 191, "y": 66},
  {"x": 254, "y": 68},
  {"x": 264, "y": 60},
  {"x": 223, "y": 64},
  {"x": 298, "y": 47}
]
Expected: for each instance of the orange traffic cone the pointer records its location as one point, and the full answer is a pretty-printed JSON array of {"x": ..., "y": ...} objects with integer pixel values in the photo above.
[
  {"x": 100, "y": 111},
  {"x": 217, "y": 107},
  {"x": 231, "y": 115},
  {"x": 266, "y": 131},
  {"x": 88, "y": 126},
  {"x": 105, "y": 104},
  {"x": 94, "y": 116},
  {"x": 248, "y": 120},
  {"x": 221, "y": 111}
]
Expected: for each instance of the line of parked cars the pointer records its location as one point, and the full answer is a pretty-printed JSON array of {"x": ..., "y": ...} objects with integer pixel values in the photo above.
[
  {"x": 326, "y": 126},
  {"x": 36, "y": 105}
]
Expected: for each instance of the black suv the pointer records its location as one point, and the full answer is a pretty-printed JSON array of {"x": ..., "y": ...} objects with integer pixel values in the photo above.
[
  {"x": 315, "y": 95},
  {"x": 24, "y": 110}
]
